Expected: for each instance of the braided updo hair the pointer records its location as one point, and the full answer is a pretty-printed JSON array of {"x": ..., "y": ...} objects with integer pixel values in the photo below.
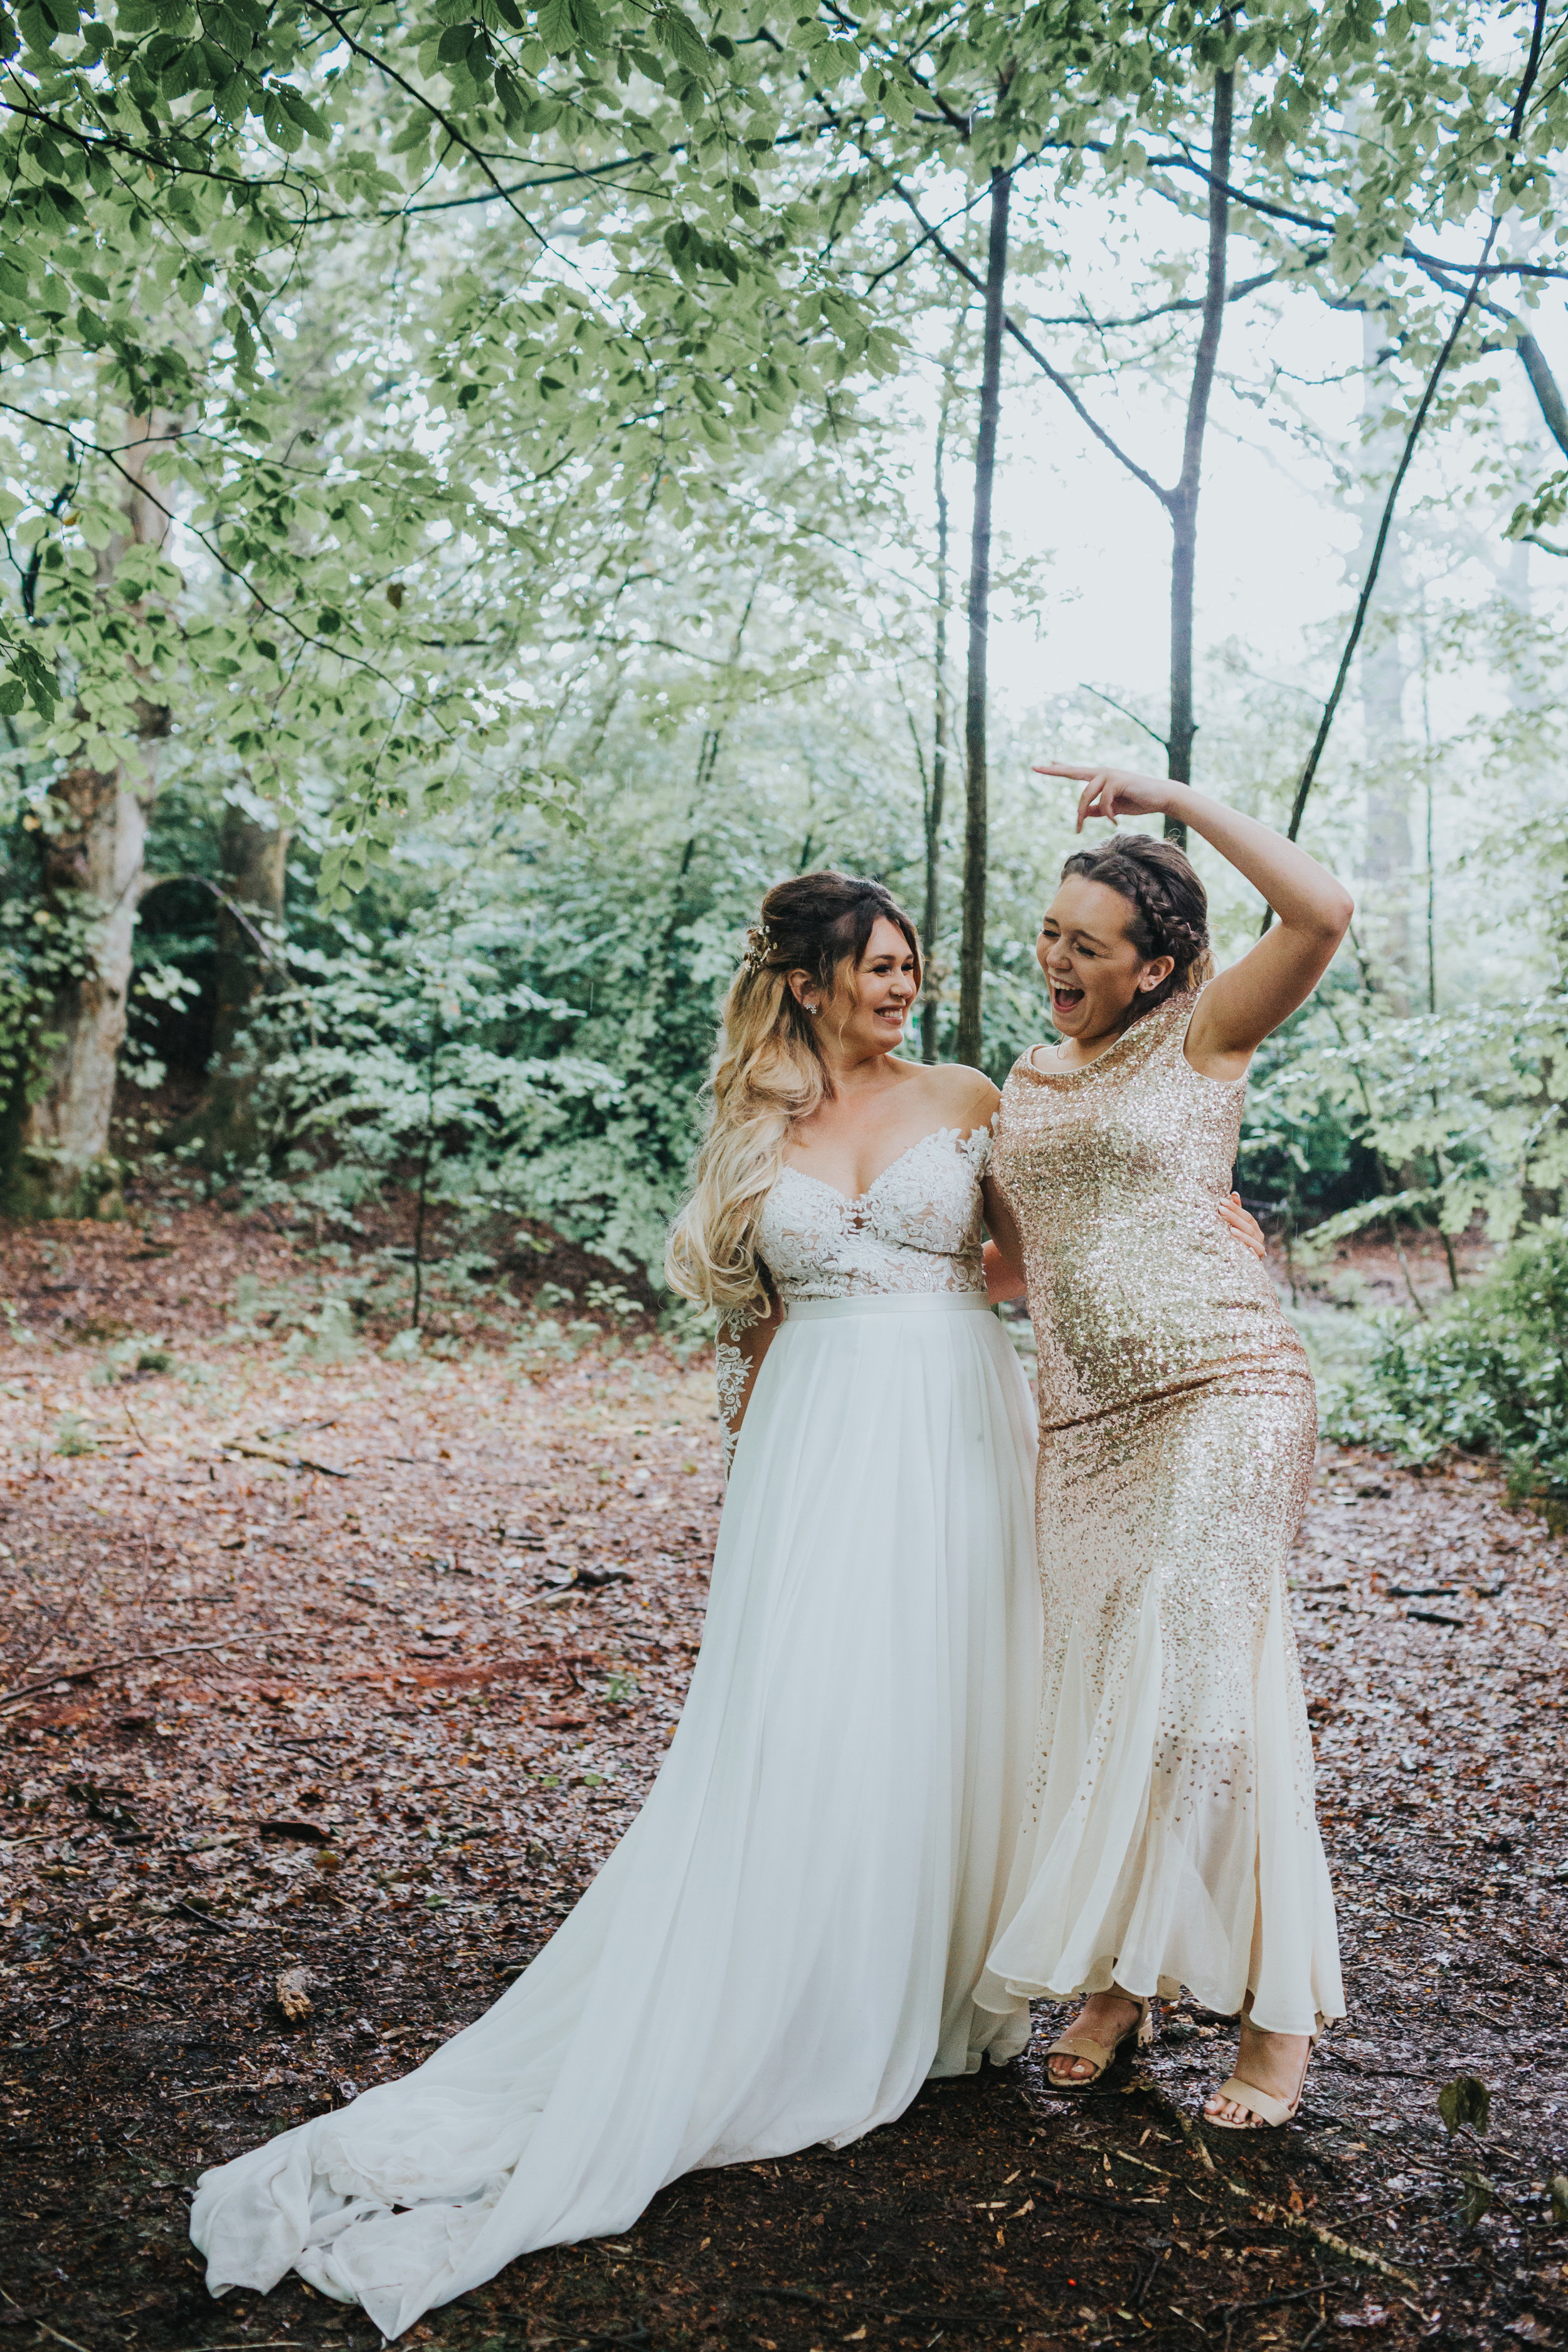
[
  {"x": 769, "y": 1073},
  {"x": 1170, "y": 907}
]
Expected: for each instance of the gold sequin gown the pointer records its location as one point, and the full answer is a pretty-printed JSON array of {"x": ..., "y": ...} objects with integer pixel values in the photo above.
[{"x": 1172, "y": 1838}]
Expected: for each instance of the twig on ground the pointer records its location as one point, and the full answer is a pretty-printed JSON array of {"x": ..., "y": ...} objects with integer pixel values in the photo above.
[
  {"x": 1193, "y": 2136},
  {"x": 285, "y": 1461},
  {"x": 1303, "y": 2228},
  {"x": 44, "y": 2328},
  {"x": 113, "y": 1665},
  {"x": 1262, "y": 2209}
]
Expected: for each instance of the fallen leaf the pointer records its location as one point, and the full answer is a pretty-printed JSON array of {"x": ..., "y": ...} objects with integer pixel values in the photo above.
[{"x": 293, "y": 1997}]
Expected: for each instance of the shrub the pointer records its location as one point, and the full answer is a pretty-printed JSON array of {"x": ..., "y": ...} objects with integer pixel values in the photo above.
[{"x": 1490, "y": 1376}]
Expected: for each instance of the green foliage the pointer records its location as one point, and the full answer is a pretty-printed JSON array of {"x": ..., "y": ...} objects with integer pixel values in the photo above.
[
  {"x": 1457, "y": 1115},
  {"x": 1304, "y": 1146},
  {"x": 45, "y": 945},
  {"x": 402, "y": 1059},
  {"x": 136, "y": 1354},
  {"x": 1489, "y": 1374},
  {"x": 199, "y": 202}
]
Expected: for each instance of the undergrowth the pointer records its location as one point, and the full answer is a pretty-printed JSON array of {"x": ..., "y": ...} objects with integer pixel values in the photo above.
[{"x": 1487, "y": 1374}]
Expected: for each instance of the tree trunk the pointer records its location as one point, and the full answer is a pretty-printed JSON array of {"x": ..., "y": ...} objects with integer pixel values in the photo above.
[
  {"x": 255, "y": 867},
  {"x": 255, "y": 860},
  {"x": 1184, "y": 499},
  {"x": 936, "y": 795},
  {"x": 60, "y": 1164},
  {"x": 971, "y": 953},
  {"x": 1388, "y": 854}
]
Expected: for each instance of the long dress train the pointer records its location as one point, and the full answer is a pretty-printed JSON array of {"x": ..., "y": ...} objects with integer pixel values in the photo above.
[
  {"x": 785, "y": 1944},
  {"x": 1172, "y": 1838}
]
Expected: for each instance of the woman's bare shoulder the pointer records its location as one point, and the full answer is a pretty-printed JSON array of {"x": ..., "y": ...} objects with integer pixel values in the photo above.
[{"x": 959, "y": 1096}]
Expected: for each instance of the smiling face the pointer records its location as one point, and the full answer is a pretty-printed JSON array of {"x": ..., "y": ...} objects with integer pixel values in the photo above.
[
  {"x": 871, "y": 1002},
  {"x": 1094, "y": 973}
]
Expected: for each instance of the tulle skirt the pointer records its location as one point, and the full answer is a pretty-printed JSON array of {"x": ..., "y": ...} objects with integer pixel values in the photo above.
[{"x": 786, "y": 1942}]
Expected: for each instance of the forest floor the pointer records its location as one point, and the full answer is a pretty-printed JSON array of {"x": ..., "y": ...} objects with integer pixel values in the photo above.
[{"x": 347, "y": 1672}]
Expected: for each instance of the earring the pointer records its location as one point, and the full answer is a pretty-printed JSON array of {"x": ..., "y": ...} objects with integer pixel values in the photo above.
[{"x": 814, "y": 1010}]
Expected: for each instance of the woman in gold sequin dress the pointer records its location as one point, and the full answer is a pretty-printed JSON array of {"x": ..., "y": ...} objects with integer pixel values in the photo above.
[{"x": 1172, "y": 1837}]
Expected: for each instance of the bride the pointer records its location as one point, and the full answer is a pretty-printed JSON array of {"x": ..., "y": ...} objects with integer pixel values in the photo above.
[{"x": 785, "y": 1944}]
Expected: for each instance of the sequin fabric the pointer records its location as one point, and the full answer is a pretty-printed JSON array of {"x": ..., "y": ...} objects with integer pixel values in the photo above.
[{"x": 1173, "y": 1814}]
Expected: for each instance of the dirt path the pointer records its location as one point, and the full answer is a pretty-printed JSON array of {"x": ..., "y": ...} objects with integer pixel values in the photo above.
[{"x": 423, "y": 1629}]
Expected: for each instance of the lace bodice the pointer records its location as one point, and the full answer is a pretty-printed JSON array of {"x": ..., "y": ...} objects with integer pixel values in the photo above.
[{"x": 917, "y": 1227}]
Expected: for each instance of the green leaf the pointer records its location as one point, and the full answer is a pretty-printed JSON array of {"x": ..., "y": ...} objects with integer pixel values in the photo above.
[
  {"x": 1465, "y": 2100},
  {"x": 38, "y": 680},
  {"x": 300, "y": 110},
  {"x": 556, "y": 29},
  {"x": 676, "y": 32}
]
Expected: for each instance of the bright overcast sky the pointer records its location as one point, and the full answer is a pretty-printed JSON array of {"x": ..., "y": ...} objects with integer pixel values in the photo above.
[{"x": 1277, "y": 537}]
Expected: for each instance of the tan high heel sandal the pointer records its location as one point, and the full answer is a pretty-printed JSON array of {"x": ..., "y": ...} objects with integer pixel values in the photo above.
[
  {"x": 1100, "y": 2054},
  {"x": 1264, "y": 2111}
]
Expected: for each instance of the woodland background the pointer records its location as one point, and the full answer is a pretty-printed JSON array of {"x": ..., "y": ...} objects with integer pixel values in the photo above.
[{"x": 486, "y": 490}]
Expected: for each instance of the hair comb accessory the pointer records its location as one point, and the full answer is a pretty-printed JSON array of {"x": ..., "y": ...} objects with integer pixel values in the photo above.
[{"x": 759, "y": 947}]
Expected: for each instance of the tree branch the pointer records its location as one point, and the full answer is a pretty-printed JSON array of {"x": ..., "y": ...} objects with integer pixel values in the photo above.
[
  {"x": 1062, "y": 382},
  {"x": 390, "y": 73},
  {"x": 1152, "y": 732},
  {"x": 273, "y": 611},
  {"x": 1533, "y": 63},
  {"x": 1236, "y": 293}
]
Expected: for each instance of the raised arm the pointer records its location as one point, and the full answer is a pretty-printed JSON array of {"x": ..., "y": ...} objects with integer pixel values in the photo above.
[{"x": 1246, "y": 1002}]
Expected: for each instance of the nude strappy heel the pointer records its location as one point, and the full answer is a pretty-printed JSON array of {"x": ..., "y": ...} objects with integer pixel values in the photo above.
[
  {"x": 1098, "y": 2054},
  {"x": 1264, "y": 2111}
]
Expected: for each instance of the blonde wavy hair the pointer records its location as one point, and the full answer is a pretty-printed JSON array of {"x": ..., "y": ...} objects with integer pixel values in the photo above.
[{"x": 769, "y": 1073}]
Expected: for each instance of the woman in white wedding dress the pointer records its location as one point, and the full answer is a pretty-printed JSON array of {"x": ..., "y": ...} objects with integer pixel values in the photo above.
[{"x": 785, "y": 1944}]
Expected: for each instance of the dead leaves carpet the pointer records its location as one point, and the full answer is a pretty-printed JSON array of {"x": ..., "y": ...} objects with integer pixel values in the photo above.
[{"x": 331, "y": 1687}]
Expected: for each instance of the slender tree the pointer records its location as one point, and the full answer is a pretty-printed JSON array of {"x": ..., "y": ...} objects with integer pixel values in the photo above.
[
  {"x": 936, "y": 788},
  {"x": 1384, "y": 673},
  {"x": 976, "y": 830},
  {"x": 1182, "y": 501}
]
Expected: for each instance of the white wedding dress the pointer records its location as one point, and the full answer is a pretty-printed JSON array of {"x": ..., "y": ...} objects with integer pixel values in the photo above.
[{"x": 784, "y": 1945}]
